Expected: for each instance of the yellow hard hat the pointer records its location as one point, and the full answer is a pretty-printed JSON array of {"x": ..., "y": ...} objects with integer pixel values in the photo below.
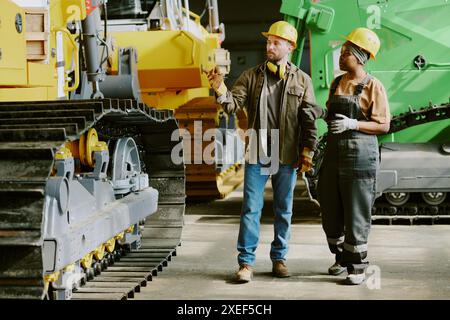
[
  {"x": 283, "y": 30},
  {"x": 365, "y": 39}
]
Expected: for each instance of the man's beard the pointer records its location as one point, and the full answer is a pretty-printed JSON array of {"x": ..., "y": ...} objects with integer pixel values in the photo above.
[{"x": 274, "y": 59}]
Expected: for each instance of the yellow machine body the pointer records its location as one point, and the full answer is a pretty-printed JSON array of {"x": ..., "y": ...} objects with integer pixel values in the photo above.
[
  {"x": 28, "y": 50},
  {"x": 170, "y": 64}
]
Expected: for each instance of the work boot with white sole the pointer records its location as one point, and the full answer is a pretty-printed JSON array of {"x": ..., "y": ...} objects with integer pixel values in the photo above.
[{"x": 355, "y": 279}]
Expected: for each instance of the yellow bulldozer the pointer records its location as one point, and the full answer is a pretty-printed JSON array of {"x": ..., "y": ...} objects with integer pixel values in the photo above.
[
  {"x": 174, "y": 50},
  {"x": 86, "y": 170}
]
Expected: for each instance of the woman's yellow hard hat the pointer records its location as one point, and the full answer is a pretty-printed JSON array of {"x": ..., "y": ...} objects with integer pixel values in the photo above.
[{"x": 365, "y": 39}]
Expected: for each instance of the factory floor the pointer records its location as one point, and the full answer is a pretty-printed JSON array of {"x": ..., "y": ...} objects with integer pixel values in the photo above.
[{"x": 407, "y": 262}]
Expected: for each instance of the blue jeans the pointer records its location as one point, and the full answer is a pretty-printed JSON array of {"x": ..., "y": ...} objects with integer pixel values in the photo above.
[{"x": 283, "y": 184}]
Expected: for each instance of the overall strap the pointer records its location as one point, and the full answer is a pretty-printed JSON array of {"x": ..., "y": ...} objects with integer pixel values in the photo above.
[
  {"x": 360, "y": 86},
  {"x": 335, "y": 84}
]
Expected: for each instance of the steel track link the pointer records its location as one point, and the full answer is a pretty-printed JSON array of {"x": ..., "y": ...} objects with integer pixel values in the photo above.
[
  {"x": 125, "y": 277},
  {"x": 30, "y": 134}
]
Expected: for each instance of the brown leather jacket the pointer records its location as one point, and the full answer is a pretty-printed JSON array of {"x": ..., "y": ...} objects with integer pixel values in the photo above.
[{"x": 297, "y": 127}]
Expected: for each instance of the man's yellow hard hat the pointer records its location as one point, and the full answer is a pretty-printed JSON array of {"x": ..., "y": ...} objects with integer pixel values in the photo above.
[
  {"x": 365, "y": 39},
  {"x": 283, "y": 30}
]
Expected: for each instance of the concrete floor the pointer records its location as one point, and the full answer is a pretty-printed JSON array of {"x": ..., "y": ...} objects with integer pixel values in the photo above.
[{"x": 408, "y": 262}]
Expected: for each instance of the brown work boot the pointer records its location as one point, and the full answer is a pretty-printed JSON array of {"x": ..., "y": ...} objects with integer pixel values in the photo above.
[
  {"x": 280, "y": 270},
  {"x": 244, "y": 274}
]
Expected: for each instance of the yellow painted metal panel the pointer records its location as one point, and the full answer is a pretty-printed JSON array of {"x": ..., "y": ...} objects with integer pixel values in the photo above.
[
  {"x": 13, "y": 77},
  {"x": 23, "y": 94},
  {"x": 173, "y": 99},
  {"x": 12, "y": 46},
  {"x": 52, "y": 93},
  {"x": 40, "y": 74},
  {"x": 65, "y": 11},
  {"x": 167, "y": 59},
  {"x": 74, "y": 10}
]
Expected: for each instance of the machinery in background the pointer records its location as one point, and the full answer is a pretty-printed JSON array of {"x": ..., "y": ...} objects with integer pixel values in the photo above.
[
  {"x": 414, "y": 67},
  {"x": 174, "y": 50},
  {"x": 85, "y": 174}
]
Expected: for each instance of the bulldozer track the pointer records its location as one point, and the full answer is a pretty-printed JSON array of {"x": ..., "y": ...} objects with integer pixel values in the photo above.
[
  {"x": 410, "y": 213},
  {"x": 30, "y": 134},
  {"x": 123, "y": 279},
  {"x": 420, "y": 116}
]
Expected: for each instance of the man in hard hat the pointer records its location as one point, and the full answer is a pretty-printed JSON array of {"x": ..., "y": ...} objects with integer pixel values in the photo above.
[
  {"x": 272, "y": 94},
  {"x": 357, "y": 110}
]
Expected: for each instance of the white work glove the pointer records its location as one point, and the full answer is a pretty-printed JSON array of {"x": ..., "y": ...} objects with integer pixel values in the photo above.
[{"x": 344, "y": 124}]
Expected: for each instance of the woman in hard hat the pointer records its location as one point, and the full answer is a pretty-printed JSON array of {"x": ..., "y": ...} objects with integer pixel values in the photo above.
[{"x": 357, "y": 110}]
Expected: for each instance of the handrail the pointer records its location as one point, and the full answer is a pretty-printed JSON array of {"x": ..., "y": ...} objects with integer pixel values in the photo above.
[
  {"x": 193, "y": 15},
  {"x": 77, "y": 62}
]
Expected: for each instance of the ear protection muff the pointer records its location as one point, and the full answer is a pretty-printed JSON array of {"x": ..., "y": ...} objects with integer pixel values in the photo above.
[{"x": 279, "y": 70}]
